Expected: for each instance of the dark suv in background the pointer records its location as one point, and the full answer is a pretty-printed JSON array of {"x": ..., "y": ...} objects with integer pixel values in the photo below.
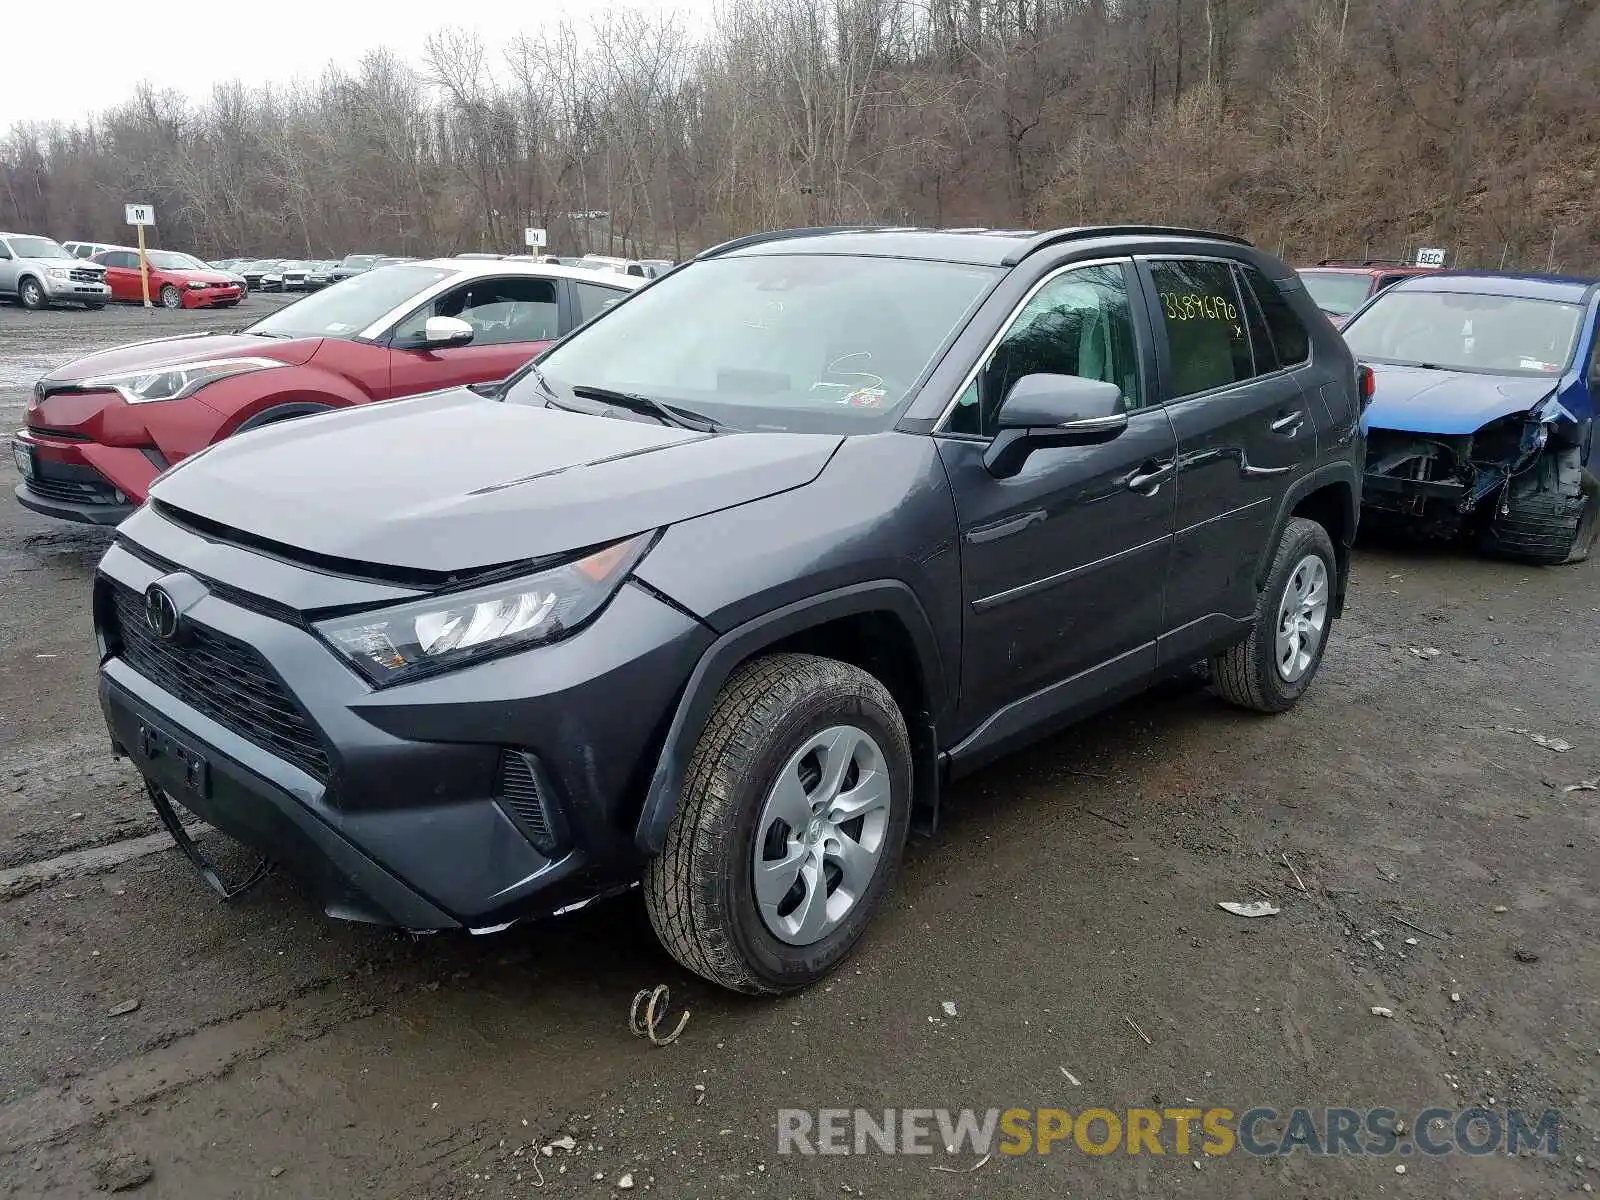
[{"x": 722, "y": 606}]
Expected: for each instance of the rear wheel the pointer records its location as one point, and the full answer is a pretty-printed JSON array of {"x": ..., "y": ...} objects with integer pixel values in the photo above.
[
  {"x": 1546, "y": 519},
  {"x": 790, "y": 826},
  {"x": 1271, "y": 669},
  {"x": 171, "y": 297},
  {"x": 30, "y": 294}
]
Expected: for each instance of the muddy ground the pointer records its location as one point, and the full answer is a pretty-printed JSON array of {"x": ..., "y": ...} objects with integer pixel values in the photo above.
[{"x": 1070, "y": 896}]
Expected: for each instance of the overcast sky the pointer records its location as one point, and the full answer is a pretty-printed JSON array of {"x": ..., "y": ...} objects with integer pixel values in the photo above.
[{"x": 70, "y": 60}]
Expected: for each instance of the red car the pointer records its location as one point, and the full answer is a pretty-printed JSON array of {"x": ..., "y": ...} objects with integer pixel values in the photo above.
[
  {"x": 102, "y": 428},
  {"x": 1339, "y": 288},
  {"x": 176, "y": 280}
]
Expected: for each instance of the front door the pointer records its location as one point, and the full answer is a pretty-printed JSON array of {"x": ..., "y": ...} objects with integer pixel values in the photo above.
[
  {"x": 1244, "y": 428},
  {"x": 1063, "y": 564}
]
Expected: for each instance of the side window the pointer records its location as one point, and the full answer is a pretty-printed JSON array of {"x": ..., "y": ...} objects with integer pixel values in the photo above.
[
  {"x": 1594, "y": 370},
  {"x": 1386, "y": 281},
  {"x": 5, "y": 251},
  {"x": 511, "y": 310},
  {"x": 1290, "y": 344},
  {"x": 82, "y": 251},
  {"x": 499, "y": 310},
  {"x": 1080, "y": 323},
  {"x": 1205, "y": 323},
  {"x": 594, "y": 299}
]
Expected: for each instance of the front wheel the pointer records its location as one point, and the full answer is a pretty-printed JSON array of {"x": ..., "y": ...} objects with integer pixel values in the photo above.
[
  {"x": 171, "y": 297},
  {"x": 1271, "y": 669},
  {"x": 31, "y": 295},
  {"x": 790, "y": 826}
]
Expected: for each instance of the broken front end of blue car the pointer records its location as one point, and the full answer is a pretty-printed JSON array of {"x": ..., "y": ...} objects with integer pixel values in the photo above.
[{"x": 1519, "y": 484}]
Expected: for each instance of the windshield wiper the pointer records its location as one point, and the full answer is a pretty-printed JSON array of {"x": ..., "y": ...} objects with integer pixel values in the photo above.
[{"x": 670, "y": 414}]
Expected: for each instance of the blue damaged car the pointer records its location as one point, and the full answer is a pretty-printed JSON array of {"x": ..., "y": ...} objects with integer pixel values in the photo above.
[{"x": 1482, "y": 422}]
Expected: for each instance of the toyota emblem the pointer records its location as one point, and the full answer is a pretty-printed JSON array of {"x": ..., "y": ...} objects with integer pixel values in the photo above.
[{"x": 161, "y": 613}]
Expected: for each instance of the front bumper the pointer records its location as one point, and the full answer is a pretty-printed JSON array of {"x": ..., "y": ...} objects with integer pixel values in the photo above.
[
  {"x": 74, "y": 291},
  {"x": 403, "y": 806},
  {"x": 212, "y": 297},
  {"x": 80, "y": 481}
]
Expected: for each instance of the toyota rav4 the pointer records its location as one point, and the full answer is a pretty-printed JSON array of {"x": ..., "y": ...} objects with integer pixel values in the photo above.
[{"x": 719, "y": 604}]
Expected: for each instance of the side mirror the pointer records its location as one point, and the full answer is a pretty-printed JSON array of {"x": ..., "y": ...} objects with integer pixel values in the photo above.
[
  {"x": 1053, "y": 410},
  {"x": 439, "y": 332}
]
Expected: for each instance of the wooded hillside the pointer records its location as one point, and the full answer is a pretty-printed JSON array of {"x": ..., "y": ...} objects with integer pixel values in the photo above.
[{"x": 1319, "y": 128}]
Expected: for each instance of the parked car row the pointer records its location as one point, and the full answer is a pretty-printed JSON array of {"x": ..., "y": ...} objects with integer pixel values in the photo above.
[
  {"x": 893, "y": 504},
  {"x": 101, "y": 428}
]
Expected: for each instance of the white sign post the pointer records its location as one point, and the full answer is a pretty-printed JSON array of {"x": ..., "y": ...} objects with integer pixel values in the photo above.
[
  {"x": 1430, "y": 257},
  {"x": 535, "y": 238},
  {"x": 140, "y": 215}
]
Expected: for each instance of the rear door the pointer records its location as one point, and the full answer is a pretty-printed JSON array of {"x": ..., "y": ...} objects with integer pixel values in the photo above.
[
  {"x": 122, "y": 273},
  {"x": 513, "y": 317},
  {"x": 1244, "y": 431}
]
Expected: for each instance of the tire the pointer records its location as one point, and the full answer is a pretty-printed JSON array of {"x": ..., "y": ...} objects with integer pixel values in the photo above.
[
  {"x": 171, "y": 297},
  {"x": 1543, "y": 514},
  {"x": 702, "y": 893},
  {"x": 1249, "y": 674},
  {"x": 30, "y": 294}
]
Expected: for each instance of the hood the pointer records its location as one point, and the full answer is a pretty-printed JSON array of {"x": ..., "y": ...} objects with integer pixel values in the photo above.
[
  {"x": 174, "y": 351},
  {"x": 1419, "y": 400},
  {"x": 453, "y": 482}
]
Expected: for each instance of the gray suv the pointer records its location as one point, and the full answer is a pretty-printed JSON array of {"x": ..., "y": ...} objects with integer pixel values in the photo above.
[
  {"x": 38, "y": 272},
  {"x": 722, "y": 605}
]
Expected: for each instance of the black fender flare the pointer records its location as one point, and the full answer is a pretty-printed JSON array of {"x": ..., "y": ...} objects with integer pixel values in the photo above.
[
  {"x": 1312, "y": 481},
  {"x": 724, "y": 655},
  {"x": 283, "y": 412}
]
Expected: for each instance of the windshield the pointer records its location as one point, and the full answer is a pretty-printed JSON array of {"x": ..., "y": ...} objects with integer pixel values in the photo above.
[
  {"x": 346, "y": 308},
  {"x": 1463, "y": 331},
  {"x": 1337, "y": 292},
  {"x": 171, "y": 260},
  {"x": 37, "y": 247},
  {"x": 808, "y": 343}
]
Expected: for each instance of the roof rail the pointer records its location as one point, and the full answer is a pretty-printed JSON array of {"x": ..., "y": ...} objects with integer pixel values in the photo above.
[
  {"x": 778, "y": 235},
  {"x": 1365, "y": 262},
  {"x": 1084, "y": 232}
]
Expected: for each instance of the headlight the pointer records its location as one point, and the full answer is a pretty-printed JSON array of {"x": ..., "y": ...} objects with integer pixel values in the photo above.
[
  {"x": 59, "y": 272},
  {"x": 174, "y": 383},
  {"x": 440, "y": 632},
  {"x": 195, "y": 283}
]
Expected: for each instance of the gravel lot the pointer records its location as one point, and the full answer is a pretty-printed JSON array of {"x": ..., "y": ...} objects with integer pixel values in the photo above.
[{"x": 1071, "y": 894}]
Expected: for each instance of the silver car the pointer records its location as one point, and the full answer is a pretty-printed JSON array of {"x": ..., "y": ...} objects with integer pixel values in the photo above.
[{"x": 38, "y": 272}]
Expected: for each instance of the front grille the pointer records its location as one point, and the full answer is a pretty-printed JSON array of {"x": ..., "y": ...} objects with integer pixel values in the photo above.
[
  {"x": 222, "y": 678},
  {"x": 83, "y": 275},
  {"x": 520, "y": 795},
  {"x": 72, "y": 491}
]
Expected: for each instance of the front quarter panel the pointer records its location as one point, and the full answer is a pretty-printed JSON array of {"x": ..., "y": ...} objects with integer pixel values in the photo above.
[{"x": 880, "y": 510}]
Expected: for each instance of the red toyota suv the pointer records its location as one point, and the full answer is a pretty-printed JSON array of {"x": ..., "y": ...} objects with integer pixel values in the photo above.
[
  {"x": 100, "y": 429},
  {"x": 1339, "y": 288}
]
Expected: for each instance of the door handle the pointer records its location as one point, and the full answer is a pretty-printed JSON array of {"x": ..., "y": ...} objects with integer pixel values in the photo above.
[
  {"x": 1147, "y": 480},
  {"x": 1289, "y": 425}
]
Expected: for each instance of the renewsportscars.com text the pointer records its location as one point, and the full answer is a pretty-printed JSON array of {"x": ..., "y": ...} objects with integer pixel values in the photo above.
[{"x": 1258, "y": 1131}]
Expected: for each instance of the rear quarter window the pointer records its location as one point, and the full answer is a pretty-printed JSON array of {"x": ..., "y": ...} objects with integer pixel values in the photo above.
[{"x": 1290, "y": 341}]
